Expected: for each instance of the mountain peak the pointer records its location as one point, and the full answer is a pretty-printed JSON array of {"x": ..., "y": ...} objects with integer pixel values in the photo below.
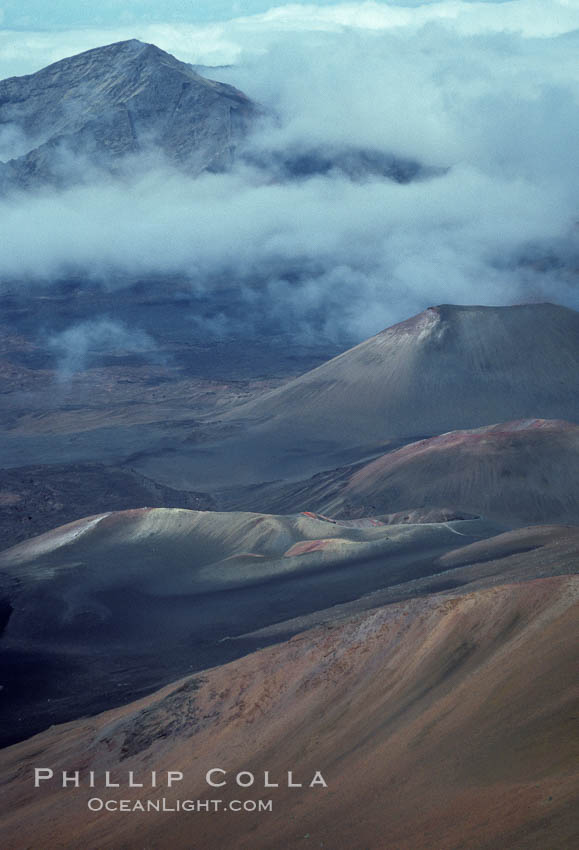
[
  {"x": 465, "y": 315},
  {"x": 122, "y": 99},
  {"x": 439, "y": 371},
  {"x": 450, "y": 309}
]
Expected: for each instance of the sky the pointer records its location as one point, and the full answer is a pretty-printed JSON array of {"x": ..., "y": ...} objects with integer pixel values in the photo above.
[
  {"x": 72, "y": 13},
  {"x": 487, "y": 92},
  {"x": 75, "y": 13}
]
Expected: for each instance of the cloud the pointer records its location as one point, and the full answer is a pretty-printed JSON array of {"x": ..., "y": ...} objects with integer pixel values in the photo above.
[
  {"x": 84, "y": 343},
  {"x": 528, "y": 17},
  {"x": 220, "y": 42},
  {"x": 13, "y": 142},
  {"x": 484, "y": 92}
]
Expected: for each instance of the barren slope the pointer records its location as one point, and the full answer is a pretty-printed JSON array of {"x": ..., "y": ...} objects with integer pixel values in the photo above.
[
  {"x": 33, "y": 499},
  {"x": 448, "y": 368},
  {"x": 113, "y": 605},
  {"x": 437, "y": 723},
  {"x": 517, "y": 471}
]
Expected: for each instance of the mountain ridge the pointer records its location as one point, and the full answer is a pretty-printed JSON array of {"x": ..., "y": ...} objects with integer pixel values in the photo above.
[{"x": 126, "y": 98}]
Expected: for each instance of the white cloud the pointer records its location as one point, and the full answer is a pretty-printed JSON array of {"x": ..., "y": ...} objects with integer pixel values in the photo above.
[
  {"x": 83, "y": 343},
  {"x": 528, "y": 17},
  {"x": 488, "y": 91},
  {"x": 225, "y": 42}
]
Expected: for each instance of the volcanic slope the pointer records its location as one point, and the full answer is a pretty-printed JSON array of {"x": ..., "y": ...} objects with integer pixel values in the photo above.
[
  {"x": 127, "y": 98},
  {"x": 441, "y": 722},
  {"x": 447, "y": 368},
  {"x": 119, "y": 603},
  {"x": 106, "y": 608},
  {"x": 525, "y": 471},
  {"x": 35, "y": 499}
]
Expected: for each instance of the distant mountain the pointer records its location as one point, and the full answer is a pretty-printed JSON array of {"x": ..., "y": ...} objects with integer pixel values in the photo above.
[
  {"x": 355, "y": 163},
  {"x": 123, "y": 100},
  {"x": 131, "y": 104}
]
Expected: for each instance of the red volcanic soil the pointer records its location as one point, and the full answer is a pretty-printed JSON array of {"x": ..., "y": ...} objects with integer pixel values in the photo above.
[
  {"x": 525, "y": 471},
  {"x": 321, "y": 545},
  {"x": 438, "y": 723}
]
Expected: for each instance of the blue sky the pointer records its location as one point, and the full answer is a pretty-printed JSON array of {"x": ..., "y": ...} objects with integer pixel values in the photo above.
[
  {"x": 59, "y": 14},
  {"x": 39, "y": 14}
]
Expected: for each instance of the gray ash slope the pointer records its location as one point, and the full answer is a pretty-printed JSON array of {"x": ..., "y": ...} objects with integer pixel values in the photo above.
[
  {"x": 449, "y": 368},
  {"x": 124, "y": 99}
]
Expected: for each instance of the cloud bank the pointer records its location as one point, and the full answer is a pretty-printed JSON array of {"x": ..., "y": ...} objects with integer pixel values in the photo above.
[
  {"x": 486, "y": 93},
  {"x": 24, "y": 48}
]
